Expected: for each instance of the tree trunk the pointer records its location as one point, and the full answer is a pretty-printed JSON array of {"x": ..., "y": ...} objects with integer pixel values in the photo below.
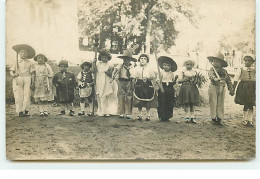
[{"x": 148, "y": 34}]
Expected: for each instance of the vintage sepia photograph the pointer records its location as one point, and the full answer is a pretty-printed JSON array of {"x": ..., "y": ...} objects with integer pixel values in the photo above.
[{"x": 130, "y": 80}]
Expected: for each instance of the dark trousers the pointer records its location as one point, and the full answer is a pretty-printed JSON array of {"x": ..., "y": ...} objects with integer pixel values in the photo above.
[{"x": 166, "y": 102}]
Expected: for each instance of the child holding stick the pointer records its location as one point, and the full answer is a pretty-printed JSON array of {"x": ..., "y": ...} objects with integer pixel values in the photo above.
[
  {"x": 106, "y": 88},
  {"x": 22, "y": 72},
  {"x": 217, "y": 88}
]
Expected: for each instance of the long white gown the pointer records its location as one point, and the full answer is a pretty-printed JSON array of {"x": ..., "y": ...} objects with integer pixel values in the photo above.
[{"x": 106, "y": 91}]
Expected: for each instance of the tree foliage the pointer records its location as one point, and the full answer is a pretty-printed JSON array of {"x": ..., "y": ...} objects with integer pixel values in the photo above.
[
  {"x": 139, "y": 20},
  {"x": 242, "y": 40}
]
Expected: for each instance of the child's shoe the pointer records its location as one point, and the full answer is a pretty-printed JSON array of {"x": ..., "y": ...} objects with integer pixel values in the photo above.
[
  {"x": 62, "y": 113},
  {"x": 128, "y": 116},
  {"x": 121, "y": 116},
  {"x": 82, "y": 113},
  {"x": 192, "y": 120},
  {"x": 41, "y": 114},
  {"x": 250, "y": 123},
  {"x": 45, "y": 113},
  {"x": 90, "y": 114},
  {"x": 107, "y": 115},
  {"x": 139, "y": 118},
  {"x": 187, "y": 120},
  {"x": 244, "y": 122},
  {"x": 147, "y": 118},
  {"x": 219, "y": 122},
  {"x": 26, "y": 113},
  {"x": 71, "y": 113},
  {"x": 21, "y": 114},
  {"x": 214, "y": 121}
]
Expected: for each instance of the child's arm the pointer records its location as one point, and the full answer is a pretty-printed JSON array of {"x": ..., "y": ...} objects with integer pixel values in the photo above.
[
  {"x": 212, "y": 75},
  {"x": 50, "y": 72},
  {"x": 175, "y": 79},
  {"x": 54, "y": 80},
  {"x": 229, "y": 84},
  {"x": 237, "y": 77},
  {"x": 182, "y": 79}
]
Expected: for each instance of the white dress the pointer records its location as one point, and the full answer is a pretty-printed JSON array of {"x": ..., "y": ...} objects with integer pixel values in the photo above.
[{"x": 106, "y": 90}]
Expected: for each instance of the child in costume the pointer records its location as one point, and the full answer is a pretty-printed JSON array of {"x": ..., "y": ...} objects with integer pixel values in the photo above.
[
  {"x": 42, "y": 86},
  {"x": 144, "y": 92},
  {"x": 166, "y": 93},
  {"x": 22, "y": 72},
  {"x": 189, "y": 93},
  {"x": 245, "y": 94},
  {"x": 217, "y": 88},
  {"x": 125, "y": 85},
  {"x": 65, "y": 82},
  {"x": 106, "y": 87},
  {"x": 85, "y": 78}
]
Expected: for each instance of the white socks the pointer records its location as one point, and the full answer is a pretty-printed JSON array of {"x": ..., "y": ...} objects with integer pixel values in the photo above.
[
  {"x": 245, "y": 114},
  {"x": 82, "y": 106},
  {"x": 250, "y": 115}
]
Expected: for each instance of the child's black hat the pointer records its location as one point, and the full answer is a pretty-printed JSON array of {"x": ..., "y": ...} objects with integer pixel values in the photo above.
[{"x": 168, "y": 60}]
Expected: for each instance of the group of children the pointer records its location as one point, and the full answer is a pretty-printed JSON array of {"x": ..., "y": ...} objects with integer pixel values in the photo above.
[{"x": 120, "y": 88}]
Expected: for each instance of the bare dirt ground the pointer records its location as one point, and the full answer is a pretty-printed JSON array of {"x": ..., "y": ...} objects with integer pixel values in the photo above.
[{"x": 90, "y": 138}]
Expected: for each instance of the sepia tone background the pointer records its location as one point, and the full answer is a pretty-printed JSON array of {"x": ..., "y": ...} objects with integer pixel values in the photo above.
[{"x": 61, "y": 29}]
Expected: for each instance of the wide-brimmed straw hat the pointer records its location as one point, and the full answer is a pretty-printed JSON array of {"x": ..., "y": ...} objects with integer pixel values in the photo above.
[
  {"x": 168, "y": 60},
  {"x": 28, "y": 48},
  {"x": 127, "y": 55},
  {"x": 219, "y": 57}
]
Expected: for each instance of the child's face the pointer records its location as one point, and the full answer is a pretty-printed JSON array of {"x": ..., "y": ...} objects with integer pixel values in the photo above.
[
  {"x": 216, "y": 63},
  {"x": 104, "y": 59},
  {"x": 23, "y": 54},
  {"x": 40, "y": 60},
  {"x": 166, "y": 67},
  {"x": 189, "y": 66},
  {"x": 86, "y": 67},
  {"x": 248, "y": 62},
  {"x": 63, "y": 68},
  {"x": 143, "y": 61},
  {"x": 127, "y": 61}
]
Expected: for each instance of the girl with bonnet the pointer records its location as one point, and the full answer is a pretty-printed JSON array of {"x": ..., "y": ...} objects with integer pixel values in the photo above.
[
  {"x": 189, "y": 93},
  {"x": 245, "y": 95},
  {"x": 43, "y": 91},
  {"x": 106, "y": 88}
]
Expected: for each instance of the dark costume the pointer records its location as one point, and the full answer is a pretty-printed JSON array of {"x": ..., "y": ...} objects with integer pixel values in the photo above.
[
  {"x": 65, "y": 82},
  {"x": 85, "y": 91},
  {"x": 166, "y": 100},
  {"x": 189, "y": 93},
  {"x": 245, "y": 94}
]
